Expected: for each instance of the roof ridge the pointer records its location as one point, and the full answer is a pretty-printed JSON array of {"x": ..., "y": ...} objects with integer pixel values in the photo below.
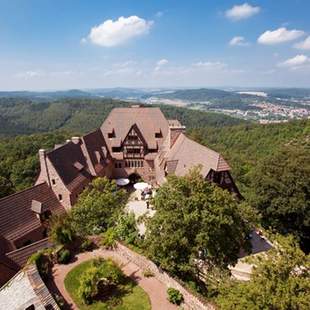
[
  {"x": 27, "y": 246},
  {"x": 22, "y": 191}
]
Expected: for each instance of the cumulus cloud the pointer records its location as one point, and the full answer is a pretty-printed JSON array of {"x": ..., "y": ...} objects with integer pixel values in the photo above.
[
  {"x": 243, "y": 11},
  {"x": 238, "y": 41},
  {"x": 160, "y": 63},
  {"x": 296, "y": 62},
  {"x": 113, "y": 33},
  {"x": 304, "y": 45},
  {"x": 280, "y": 35}
]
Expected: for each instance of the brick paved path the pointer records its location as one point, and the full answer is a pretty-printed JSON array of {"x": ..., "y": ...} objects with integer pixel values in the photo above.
[{"x": 155, "y": 289}]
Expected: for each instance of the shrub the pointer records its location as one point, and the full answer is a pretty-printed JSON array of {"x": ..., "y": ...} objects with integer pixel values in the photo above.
[
  {"x": 148, "y": 273},
  {"x": 86, "y": 245},
  {"x": 109, "y": 238},
  {"x": 60, "y": 230},
  {"x": 42, "y": 259},
  {"x": 64, "y": 256},
  {"x": 174, "y": 296}
]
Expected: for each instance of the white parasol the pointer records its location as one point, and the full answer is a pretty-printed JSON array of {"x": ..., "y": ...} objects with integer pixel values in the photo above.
[
  {"x": 141, "y": 186},
  {"x": 122, "y": 182}
]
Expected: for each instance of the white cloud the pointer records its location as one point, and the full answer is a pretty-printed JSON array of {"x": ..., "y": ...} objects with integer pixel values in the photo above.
[
  {"x": 243, "y": 11},
  {"x": 29, "y": 74},
  {"x": 304, "y": 45},
  {"x": 210, "y": 65},
  {"x": 160, "y": 63},
  {"x": 296, "y": 62},
  {"x": 238, "y": 41},
  {"x": 280, "y": 35},
  {"x": 112, "y": 33}
]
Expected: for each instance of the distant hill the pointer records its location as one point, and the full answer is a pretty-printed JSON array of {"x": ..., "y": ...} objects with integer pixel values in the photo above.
[
  {"x": 202, "y": 94},
  {"x": 23, "y": 115}
]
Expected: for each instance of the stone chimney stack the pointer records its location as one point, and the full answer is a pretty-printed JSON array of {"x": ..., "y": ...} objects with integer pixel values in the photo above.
[
  {"x": 75, "y": 140},
  {"x": 43, "y": 166},
  {"x": 174, "y": 132}
]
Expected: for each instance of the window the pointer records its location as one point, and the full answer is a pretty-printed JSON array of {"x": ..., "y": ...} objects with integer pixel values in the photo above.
[
  {"x": 53, "y": 181},
  {"x": 118, "y": 165},
  {"x": 111, "y": 134},
  {"x": 59, "y": 197},
  {"x": 133, "y": 151},
  {"x": 30, "y": 308},
  {"x": 158, "y": 135},
  {"x": 116, "y": 149}
]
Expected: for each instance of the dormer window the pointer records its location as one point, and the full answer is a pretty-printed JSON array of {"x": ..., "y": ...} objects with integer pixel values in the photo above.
[
  {"x": 78, "y": 166},
  {"x": 111, "y": 134}
]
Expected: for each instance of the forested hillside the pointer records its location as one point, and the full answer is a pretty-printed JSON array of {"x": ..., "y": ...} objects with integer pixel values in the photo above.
[{"x": 19, "y": 115}]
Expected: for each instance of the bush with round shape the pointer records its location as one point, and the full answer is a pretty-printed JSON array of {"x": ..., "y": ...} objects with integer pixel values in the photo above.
[
  {"x": 174, "y": 296},
  {"x": 64, "y": 256}
]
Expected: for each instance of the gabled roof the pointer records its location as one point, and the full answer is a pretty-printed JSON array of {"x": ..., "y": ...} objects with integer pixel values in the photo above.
[
  {"x": 186, "y": 154},
  {"x": 95, "y": 145},
  {"x": 148, "y": 120},
  {"x": 16, "y": 217},
  {"x": 70, "y": 164}
]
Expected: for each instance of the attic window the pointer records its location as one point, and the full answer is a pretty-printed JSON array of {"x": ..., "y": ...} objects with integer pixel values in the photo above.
[
  {"x": 78, "y": 166},
  {"x": 111, "y": 134},
  {"x": 158, "y": 135},
  {"x": 36, "y": 207}
]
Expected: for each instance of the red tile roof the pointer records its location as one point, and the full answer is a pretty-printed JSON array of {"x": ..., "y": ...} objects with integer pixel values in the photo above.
[
  {"x": 148, "y": 120},
  {"x": 20, "y": 256},
  {"x": 16, "y": 217},
  {"x": 65, "y": 160},
  {"x": 186, "y": 153}
]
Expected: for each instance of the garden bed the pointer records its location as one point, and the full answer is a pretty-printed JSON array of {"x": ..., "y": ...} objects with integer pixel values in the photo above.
[{"x": 125, "y": 296}]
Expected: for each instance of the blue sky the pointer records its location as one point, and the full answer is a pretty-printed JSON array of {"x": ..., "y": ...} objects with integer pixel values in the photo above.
[{"x": 61, "y": 44}]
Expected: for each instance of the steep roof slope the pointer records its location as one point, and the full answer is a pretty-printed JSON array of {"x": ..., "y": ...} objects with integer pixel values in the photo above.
[
  {"x": 148, "y": 120},
  {"x": 16, "y": 217},
  {"x": 70, "y": 164},
  {"x": 186, "y": 154}
]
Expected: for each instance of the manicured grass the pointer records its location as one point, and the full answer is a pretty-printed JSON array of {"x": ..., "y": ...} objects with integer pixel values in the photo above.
[{"x": 133, "y": 297}]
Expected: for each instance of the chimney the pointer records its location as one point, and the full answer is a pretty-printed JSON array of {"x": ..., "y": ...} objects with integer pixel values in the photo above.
[
  {"x": 174, "y": 132},
  {"x": 75, "y": 140},
  {"x": 43, "y": 166}
]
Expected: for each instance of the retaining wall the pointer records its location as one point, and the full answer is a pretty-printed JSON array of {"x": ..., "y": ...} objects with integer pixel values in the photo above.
[{"x": 191, "y": 301}]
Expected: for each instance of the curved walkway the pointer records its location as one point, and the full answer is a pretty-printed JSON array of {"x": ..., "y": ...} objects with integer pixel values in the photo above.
[{"x": 155, "y": 289}]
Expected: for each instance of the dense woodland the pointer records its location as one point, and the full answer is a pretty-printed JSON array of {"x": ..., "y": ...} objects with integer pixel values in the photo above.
[{"x": 270, "y": 163}]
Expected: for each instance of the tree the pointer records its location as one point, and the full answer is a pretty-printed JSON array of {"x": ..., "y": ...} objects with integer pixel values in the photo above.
[
  {"x": 280, "y": 281},
  {"x": 60, "y": 230},
  {"x": 98, "y": 207},
  {"x": 195, "y": 219},
  {"x": 5, "y": 187},
  {"x": 281, "y": 185},
  {"x": 126, "y": 228},
  {"x": 102, "y": 274}
]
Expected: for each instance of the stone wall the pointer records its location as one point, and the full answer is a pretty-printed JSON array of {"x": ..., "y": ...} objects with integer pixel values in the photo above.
[{"x": 191, "y": 301}]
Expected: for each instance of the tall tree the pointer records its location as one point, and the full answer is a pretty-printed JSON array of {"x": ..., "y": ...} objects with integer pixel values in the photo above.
[
  {"x": 280, "y": 281},
  {"x": 196, "y": 220},
  {"x": 98, "y": 207},
  {"x": 281, "y": 185}
]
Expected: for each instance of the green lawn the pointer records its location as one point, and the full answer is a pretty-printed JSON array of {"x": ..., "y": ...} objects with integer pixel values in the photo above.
[{"x": 133, "y": 297}]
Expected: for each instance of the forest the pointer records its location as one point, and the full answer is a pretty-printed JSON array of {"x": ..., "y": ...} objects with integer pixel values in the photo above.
[{"x": 270, "y": 163}]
